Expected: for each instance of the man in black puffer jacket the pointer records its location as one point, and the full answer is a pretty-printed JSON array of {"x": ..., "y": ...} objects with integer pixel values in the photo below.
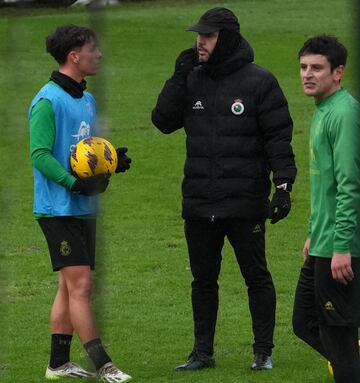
[{"x": 238, "y": 130}]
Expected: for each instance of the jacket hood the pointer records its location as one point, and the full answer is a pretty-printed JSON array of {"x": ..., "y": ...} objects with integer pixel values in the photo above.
[{"x": 241, "y": 55}]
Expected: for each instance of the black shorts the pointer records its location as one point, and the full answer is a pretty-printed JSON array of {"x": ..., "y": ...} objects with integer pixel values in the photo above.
[
  {"x": 71, "y": 241},
  {"x": 334, "y": 303}
]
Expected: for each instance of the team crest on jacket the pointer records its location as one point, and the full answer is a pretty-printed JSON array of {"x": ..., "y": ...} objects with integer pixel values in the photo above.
[{"x": 237, "y": 107}]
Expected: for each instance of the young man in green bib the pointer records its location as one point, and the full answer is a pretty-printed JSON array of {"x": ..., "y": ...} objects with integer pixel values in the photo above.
[{"x": 327, "y": 302}]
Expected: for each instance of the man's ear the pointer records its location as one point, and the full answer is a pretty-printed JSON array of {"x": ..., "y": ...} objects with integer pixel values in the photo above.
[
  {"x": 339, "y": 73},
  {"x": 73, "y": 57}
]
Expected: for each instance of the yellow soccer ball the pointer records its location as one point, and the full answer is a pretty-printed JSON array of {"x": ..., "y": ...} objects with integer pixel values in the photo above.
[
  {"x": 92, "y": 156},
  {"x": 330, "y": 368}
]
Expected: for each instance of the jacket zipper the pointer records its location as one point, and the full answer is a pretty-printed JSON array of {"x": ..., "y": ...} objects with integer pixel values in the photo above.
[{"x": 213, "y": 159}]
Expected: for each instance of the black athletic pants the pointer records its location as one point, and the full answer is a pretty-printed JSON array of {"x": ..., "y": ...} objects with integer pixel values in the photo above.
[
  {"x": 205, "y": 241},
  {"x": 326, "y": 316}
]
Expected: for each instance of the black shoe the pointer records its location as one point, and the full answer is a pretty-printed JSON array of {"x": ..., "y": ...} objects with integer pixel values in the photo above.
[
  {"x": 196, "y": 362},
  {"x": 262, "y": 362}
]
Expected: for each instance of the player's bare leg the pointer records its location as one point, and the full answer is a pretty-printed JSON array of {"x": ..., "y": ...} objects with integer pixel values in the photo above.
[
  {"x": 60, "y": 316},
  {"x": 61, "y": 330},
  {"x": 78, "y": 283}
]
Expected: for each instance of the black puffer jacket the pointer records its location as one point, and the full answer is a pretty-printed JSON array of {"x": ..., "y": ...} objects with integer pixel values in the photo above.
[{"x": 238, "y": 130}]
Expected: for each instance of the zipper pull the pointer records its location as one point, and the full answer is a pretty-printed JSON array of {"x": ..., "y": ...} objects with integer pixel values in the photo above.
[{"x": 212, "y": 218}]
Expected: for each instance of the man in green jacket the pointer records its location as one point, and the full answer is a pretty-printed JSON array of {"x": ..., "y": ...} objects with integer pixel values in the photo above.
[{"x": 327, "y": 302}]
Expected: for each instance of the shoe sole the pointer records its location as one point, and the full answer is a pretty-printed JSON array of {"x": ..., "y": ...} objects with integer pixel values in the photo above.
[
  {"x": 123, "y": 381},
  {"x": 74, "y": 376},
  {"x": 179, "y": 369},
  {"x": 52, "y": 377}
]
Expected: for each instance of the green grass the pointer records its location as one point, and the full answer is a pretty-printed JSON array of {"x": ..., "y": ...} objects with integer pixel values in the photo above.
[{"x": 142, "y": 295}]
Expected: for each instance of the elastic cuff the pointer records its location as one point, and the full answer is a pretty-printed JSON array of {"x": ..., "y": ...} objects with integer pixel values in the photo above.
[{"x": 70, "y": 181}]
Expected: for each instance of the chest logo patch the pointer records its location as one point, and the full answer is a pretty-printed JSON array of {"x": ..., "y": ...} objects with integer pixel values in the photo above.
[
  {"x": 198, "y": 105},
  {"x": 237, "y": 107}
]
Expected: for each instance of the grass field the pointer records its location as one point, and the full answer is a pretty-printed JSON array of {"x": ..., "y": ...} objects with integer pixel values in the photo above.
[{"x": 142, "y": 294}]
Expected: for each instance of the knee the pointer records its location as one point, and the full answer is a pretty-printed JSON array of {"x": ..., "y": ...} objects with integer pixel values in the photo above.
[
  {"x": 81, "y": 290},
  {"x": 205, "y": 284},
  {"x": 205, "y": 278},
  {"x": 259, "y": 280}
]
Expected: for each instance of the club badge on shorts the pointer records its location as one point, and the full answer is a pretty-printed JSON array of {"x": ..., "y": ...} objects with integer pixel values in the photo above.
[
  {"x": 65, "y": 248},
  {"x": 237, "y": 107}
]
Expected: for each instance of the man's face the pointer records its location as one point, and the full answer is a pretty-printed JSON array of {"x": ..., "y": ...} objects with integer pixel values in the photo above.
[
  {"x": 88, "y": 58},
  {"x": 318, "y": 80},
  {"x": 205, "y": 45}
]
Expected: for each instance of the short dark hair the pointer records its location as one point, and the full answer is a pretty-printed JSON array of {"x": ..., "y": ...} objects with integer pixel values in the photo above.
[
  {"x": 328, "y": 46},
  {"x": 66, "y": 38}
]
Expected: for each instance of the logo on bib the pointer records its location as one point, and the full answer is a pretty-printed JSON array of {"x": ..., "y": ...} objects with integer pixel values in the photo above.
[
  {"x": 237, "y": 107},
  {"x": 83, "y": 132}
]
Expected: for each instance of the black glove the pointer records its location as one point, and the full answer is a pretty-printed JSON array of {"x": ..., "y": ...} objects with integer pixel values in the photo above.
[
  {"x": 91, "y": 186},
  {"x": 280, "y": 205},
  {"x": 185, "y": 63},
  {"x": 123, "y": 160}
]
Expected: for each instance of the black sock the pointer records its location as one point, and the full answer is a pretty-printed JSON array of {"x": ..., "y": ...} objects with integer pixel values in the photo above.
[
  {"x": 60, "y": 349},
  {"x": 97, "y": 353}
]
